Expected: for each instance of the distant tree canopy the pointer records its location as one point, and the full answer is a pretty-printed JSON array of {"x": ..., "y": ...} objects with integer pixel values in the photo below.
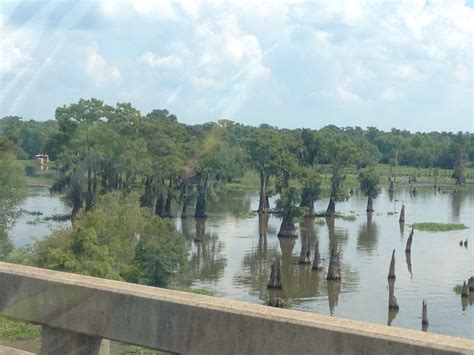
[{"x": 99, "y": 148}]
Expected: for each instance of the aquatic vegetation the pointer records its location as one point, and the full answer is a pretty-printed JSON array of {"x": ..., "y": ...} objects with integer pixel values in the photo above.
[
  {"x": 198, "y": 291},
  {"x": 458, "y": 289},
  {"x": 439, "y": 227},
  {"x": 320, "y": 221},
  {"x": 32, "y": 213},
  {"x": 344, "y": 217},
  {"x": 58, "y": 217}
]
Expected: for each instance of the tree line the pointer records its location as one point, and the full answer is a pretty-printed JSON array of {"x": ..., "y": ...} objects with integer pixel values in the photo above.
[{"x": 99, "y": 148}]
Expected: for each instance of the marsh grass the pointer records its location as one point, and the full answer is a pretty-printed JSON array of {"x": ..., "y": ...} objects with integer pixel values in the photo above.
[
  {"x": 17, "y": 330},
  {"x": 439, "y": 227}
]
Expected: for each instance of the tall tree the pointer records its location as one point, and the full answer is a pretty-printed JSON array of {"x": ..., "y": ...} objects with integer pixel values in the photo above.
[{"x": 369, "y": 181}]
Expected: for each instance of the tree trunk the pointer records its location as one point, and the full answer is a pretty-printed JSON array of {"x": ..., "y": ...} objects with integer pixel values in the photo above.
[
  {"x": 391, "y": 271},
  {"x": 317, "y": 265},
  {"x": 370, "y": 204},
  {"x": 402, "y": 214},
  {"x": 147, "y": 198},
  {"x": 275, "y": 276},
  {"x": 424, "y": 313},
  {"x": 305, "y": 253},
  {"x": 263, "y": 206},
  {"x": 89, "y": 195},
  {"x": 184, "y": 199},
  {"x": 331, "y": 210},
  {"x": 167, "y": 211},
  {"x": 307, "y": 201},
  {"x": 287, "y": 229},
  {"x": 334, "y": 269},
  {"x": 392, "y": 300},
  {"x": 76, "y": 199},
  {"x": 201, "y": 200},
  {"x": 184, "y": 210},
  {"x": 409, "y": 241},
  {"x": 160, "y": 205},
  {"x": 391, "y": 187}
]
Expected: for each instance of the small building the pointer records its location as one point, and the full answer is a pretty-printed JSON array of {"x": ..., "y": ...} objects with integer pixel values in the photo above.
[{"x": 42, "y": 161}]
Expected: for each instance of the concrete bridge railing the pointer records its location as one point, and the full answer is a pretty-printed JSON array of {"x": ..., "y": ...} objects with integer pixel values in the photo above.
[{"x": 77, "y": 312}]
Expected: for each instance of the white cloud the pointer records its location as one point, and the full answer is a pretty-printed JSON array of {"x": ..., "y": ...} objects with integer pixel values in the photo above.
[
  {"x": 347, "y": 96},
  {"x": 203, "y": 82},
  {"x": 158, "y": 9},
  {"x": 13, "y": 60},
  {"x": 97, "y": 69},
  {"x": 405, "y": 71},
  {"x": 389, "y": 95},
  {"x": 156, "y": 61}
]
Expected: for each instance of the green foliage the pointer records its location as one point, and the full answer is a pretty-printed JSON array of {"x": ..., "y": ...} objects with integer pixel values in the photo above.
[
  {"x": 12, "y": 193},
  {"x": 11, "y": 329},
  {"x": 458, "y": 289},
  {"x": 116, "y": 240},
  {"x": 439, "y": 227},
  {"x": 459, "y": 175},
  {"x": 160, "y": 252},
  {"x": 287, "y": 206},
  {"x": 369, "y": 181}
]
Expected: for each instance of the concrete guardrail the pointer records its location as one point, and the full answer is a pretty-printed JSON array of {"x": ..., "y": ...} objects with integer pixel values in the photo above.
[{"x": 78, "y": 312}]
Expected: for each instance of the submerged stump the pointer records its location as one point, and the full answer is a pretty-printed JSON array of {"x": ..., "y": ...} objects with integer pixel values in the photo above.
[
  {"x": 287, "y": 229},
  {"x": 305, "y": 252},
  {"x": 402, "y": 214},
  {"x": 317, "y": 265},
  {"x": 392, "y": 300},
  {"x": 277, "y": 302},
  {"x": 391, "y": 271},
  {"x": 424, "y": 313},
  {"x": 275, "y": 276},
  {"x": 465, "y": 290},
  {"x": 409, "y": 241},
  {"x": 470, "y": 284},
  {"x": 334, "y": 270}
]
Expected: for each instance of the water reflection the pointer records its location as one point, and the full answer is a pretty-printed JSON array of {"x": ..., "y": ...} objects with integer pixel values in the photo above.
[
  {"x": 408, "y": 260},
  {"x": 207, "y": 261},
  {"x": 367, "y": 236},
  {"x": 457, "y": 200},
  {"x": 402, "y": 228},
  {"x": 187, "y": 227},
  {"x": 392, "y": 314},
  {"x": 467, "y": 301},
  {"x": 334, "y": 288},
  {"x": 263, "y": 224},
  {"x": 308, "y": 236},
  {"x": 231, "y": 202}
]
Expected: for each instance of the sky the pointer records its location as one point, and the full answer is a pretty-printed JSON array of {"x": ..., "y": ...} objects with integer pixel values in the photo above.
[{"x": 288, "y": 63}]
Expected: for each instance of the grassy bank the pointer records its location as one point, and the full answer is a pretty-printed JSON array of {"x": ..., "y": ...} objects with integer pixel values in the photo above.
[
  {"x": 439, "y": 227},
  {"x": 424, "y": 176},
  {"x": 11, "y": 329}
]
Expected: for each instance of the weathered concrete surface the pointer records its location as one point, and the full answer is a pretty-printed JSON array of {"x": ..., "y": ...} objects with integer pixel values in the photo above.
[
  {"x": 194, "y": 324},
  {"x": 59, "y": 342},
  {"x": 5, "y": 350}
]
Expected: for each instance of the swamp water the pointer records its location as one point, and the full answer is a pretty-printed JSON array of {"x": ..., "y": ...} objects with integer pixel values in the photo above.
[{"x": 235, "y": 251}]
